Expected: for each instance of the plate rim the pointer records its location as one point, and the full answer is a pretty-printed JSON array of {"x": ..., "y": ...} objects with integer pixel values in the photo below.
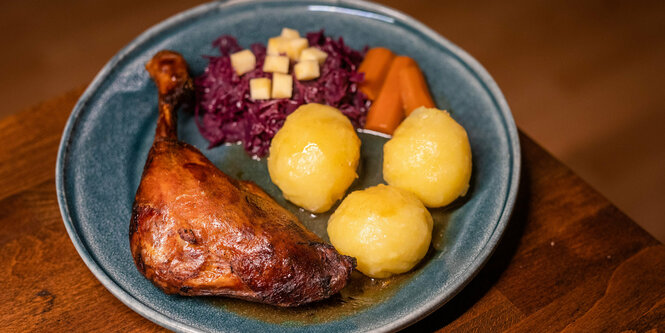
[{"x": 472, "y": 65}]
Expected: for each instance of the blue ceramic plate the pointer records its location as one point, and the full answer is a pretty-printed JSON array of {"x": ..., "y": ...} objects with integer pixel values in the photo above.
[{"x": 110, "y": 130}]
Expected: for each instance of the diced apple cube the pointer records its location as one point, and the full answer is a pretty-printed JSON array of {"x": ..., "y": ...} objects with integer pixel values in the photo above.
[
  {"x": 277, "y": 45},
  {"x": 276, "y": 64},
  {"x": 290, "y": 33},
  {"x": 312, "y": 53},
  {"x": 259, "y": 88},
  {"x": 243, "y": 61},
  {"x": 295, "y": 46},
  {"x": 282, "y": 85},
  {"x": 306, "y": 70}
]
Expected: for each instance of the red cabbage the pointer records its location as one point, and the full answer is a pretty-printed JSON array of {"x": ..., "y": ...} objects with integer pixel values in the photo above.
[{"x": 226, "y": 113}]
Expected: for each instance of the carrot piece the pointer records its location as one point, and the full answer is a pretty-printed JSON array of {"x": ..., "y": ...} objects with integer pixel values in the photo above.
[
  {"x": 387, "y": 110},
  {"x": 414, "y": 89},
  {"x": 375, "y": 66}
]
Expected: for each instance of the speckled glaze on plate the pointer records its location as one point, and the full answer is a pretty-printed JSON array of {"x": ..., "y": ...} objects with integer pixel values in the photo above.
[{"x": 111, "y": 128}]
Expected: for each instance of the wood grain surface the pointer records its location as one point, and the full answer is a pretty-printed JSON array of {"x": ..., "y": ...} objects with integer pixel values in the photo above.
[{"x": 569, "y": 260}]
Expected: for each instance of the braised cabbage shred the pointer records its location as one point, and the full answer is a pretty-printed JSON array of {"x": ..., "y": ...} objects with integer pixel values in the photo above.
[{"x": 225, "y": 113}]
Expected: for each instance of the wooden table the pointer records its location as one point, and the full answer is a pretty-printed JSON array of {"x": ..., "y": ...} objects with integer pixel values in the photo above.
[{"x": 569, "y": 259}]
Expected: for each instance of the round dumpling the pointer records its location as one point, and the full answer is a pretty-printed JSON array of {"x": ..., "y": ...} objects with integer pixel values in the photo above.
[
  {"x": 387, "y": 230},
  {"x": 314, "y": 156},
  {"x": 429, "y": 155}
]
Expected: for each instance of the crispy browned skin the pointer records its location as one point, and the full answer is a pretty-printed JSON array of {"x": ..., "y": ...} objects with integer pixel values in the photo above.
[{"x": 196, "y": 231}]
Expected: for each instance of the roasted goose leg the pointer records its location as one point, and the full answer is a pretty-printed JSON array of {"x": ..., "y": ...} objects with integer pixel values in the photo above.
[{"x": 196, "y": 231}]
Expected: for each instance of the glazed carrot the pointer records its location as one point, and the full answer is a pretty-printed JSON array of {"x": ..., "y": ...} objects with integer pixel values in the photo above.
[
  {"x": 375, "y": 66},
  {"x": 387, "y": 110},
  {"x": 414, "y": 89}
]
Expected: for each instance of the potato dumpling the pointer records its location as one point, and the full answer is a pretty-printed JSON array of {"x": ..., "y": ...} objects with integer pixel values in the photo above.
[
  {"x": 429, "y": 155},
  {"x": 386, "y": 229},
  {"x": 314, "y": 156}
]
